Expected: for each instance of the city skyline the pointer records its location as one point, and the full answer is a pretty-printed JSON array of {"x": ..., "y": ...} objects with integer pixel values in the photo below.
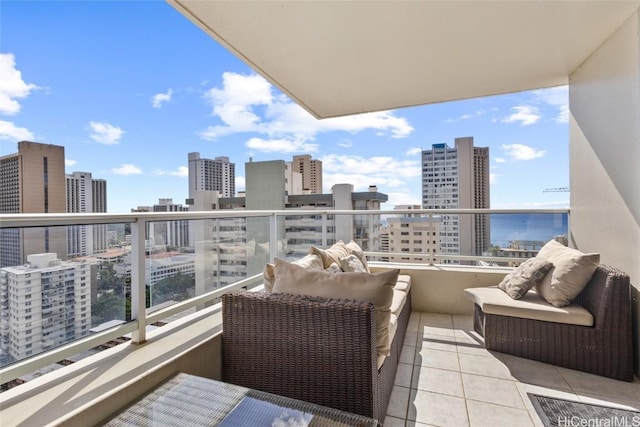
[{"x": 129, "y": 105}]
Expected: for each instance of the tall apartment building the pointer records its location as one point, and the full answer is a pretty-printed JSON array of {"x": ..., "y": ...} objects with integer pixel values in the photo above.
[
  {"x": 32, "y": 181},
  {"x": 45, "y": 303},
  {"x": 169, "y": 233},
  {"x": 416, "y": 236},
  {"x": 211, "y": 175},
  {"x": 83, "y": 195},
  {"x": 458, "y": 178},
  {"x": 292, "y": 180},
  {"x": 311, "y": 171}
]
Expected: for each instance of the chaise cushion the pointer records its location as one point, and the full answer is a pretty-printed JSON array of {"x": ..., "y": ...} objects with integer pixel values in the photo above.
[
  {"x": 532, "y": 306},
  {"x": 524, "y": 277},
  {"x": 376, "y": 288},
  {"x": 571, "y": 272}
]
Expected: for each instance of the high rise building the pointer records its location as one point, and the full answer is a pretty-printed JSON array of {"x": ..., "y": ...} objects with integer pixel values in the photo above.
[
  {"x": 45, "y": 303},
  {"x": 458, "y": 178},
  {"x": 32, "y": 181},
  {"x": 211, "y": 175},
  {"x": 415, "y": 236},
  {"x": 311, "y": 171},
  {"x": 83, "y": 195},
  {"x": 169, "y": 233}
]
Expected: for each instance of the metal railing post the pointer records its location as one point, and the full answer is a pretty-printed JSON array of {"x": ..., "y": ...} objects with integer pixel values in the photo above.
[
  {"x": 138, "y": 294},
  {"x": 324, "y": 230},
  {"x": 273, "y": 237},
  {"x": 431, "y": 224}
]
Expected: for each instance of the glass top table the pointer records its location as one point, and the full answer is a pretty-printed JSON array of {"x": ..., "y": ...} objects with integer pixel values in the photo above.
[{"x": 188, "y": 400}]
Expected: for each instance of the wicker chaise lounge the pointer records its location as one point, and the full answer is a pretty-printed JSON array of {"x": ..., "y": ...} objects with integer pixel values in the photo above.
[
  {"x": 603, "y": 349},
  {"x": 314, "y": 349}
]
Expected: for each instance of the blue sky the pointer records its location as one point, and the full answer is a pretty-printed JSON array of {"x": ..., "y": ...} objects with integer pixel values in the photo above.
[{"x": 130, "y": 87}]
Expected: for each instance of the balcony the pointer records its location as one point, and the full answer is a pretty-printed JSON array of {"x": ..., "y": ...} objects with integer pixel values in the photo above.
[{"x": 445, "y": 376}]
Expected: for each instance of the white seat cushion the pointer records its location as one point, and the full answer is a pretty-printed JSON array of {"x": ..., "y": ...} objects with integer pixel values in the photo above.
[
  {"x": 397, "y": 303},
  {"x": 403, "y": 283},
  {"x": 532, "y": 306}
]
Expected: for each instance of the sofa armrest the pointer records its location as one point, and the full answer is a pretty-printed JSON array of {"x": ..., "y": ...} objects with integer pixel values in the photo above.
[{"x": 314, "y": 349}]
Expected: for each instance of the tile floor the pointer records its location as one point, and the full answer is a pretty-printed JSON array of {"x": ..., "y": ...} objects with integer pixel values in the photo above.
[{"x": 446, "y": 378}]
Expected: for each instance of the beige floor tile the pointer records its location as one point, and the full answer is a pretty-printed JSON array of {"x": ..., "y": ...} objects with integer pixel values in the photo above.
[
  {"x": 492, "y": 390},
  {"x": 533, "y": 372},
  {"x": 414, "y": 321},
  {"x": 471, "y": 346},
  {"x": 415, "y": 424},
  {"x": 435, "y": 319},
  {"x": 407, "y": 355},
  {"x": 468, "y": 336},
  {"x": 393, "y": 422},
  {"x": 437, "y": 342},
  {"x": 437, "y": 359},
  {"x": 398, "y": 402},
  {"x": 462, "y": 322},
  {"x": 404, "y": 375},
  {"x": 582, "y": 382},
  {"x": 438, "y": 330},
  {"x": 437, "y": 381},
  {"x": 487, "y": 366},
  {"x": 410, "y": 338},
  {"x": 437, "y": 409},
  {"x": 482, "y": 414}
]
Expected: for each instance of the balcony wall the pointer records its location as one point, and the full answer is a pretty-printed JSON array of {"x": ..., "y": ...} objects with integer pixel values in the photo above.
[
  {"x": 604, "y": 96},
  {"x": 92, "y": 389}
]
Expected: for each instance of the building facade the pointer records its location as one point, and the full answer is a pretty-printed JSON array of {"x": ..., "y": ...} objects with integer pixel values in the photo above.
[
  {"x": 311, "y": 171},
  {"x": 32, "y": 181},
  {"x": 211, "y": 175},
  {"x": 417, "y": 237},
  {"x": 169, "y": 233},
  {"x": 84, "y": 195},
  {"x": 45, "y": 303},
  {"x": 458, "y": 178}
]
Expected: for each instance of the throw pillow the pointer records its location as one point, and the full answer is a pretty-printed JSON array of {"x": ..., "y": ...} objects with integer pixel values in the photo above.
[
  {"x": 311, "y": 261},
  {"x": 518, "y": 282},
  {"x": 355, "y": 249},
  {"x": 571, "y": 272},
  {"x": 332, "y": 254},
  {"x": 352, "y": 264},
  {"x": 335, "y": 268},
  {"x": 375, "y": 288}
]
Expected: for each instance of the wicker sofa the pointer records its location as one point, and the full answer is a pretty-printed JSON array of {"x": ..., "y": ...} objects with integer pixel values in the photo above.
[
  {"x": 603, "y": 349},
  {"x": 314, "y": 349}
]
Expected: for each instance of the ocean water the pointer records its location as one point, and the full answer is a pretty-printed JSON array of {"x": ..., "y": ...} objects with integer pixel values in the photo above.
[{"x": 532, "y": 227}]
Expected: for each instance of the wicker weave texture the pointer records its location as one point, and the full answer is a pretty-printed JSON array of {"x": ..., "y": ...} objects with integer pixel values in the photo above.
[
  {"x": 309, "y": 348},
  {"x": 604, "y": 349}
]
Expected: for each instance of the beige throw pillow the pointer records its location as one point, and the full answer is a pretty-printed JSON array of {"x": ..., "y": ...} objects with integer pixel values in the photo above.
[
  {"x": 375, "y": 288},
  {"x": 571, "y": 272},
  {"x": 355, "y": 249},
  {"x": 332, "y": 254},
  {"x": 518, "y": 282},
  {"x": 311, "y": 261},
  {"x": 352, "y": 264}
]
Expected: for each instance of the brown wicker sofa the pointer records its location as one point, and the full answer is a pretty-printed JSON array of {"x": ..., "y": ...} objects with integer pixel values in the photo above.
[
  {"x": 603, "y": 349},
  {"x": 314, "y": 349}
]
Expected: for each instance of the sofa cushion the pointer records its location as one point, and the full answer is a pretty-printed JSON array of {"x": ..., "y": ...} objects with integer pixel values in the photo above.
[
  {"x": 352, "y": 264},
  {"x": 525, "y": 276},
  {"x": 571, "y": 272},
  {"x": 355, "y": 249},
  {"x": 403, "y": 283},
  {"x": 397, "y": 304},
  {"x": 331, "y": 254},
  {"x": 532, "y": 306},
  {"x": 375, "y": 288},
  {"x": 311, "y": 261}
]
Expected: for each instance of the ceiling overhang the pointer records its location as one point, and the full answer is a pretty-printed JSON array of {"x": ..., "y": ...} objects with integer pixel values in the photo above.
[{"x": 337, "y": 58}]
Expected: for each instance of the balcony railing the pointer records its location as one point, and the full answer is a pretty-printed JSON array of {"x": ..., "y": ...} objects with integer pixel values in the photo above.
[{"x": 226, "y": 250}]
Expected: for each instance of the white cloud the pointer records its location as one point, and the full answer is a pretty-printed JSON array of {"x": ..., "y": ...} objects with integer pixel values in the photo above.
[
  {"x": 12, "y": 87},
  {"x": 413, "y": 151},
  {"x": 127, "y": 169},
  {"x": 159, "y": 98},
  {"x": 476, "y": 113},
  {"x": 521, "y": 152},
  {"x": 105, "y": 133},
  {"x": 182, "y": 172},
  {"x": 281, "y": 146},
  {"x": 69, "y": 162},
  {"x": 385, "y": 172},
  {"x": 525, "y": 114},
  {"x": 557, "y": 97},
  {"x": 247, "y": 103},
  {"x": 500, "y": 160},
  {"x": 493, "y": 178},
  {"x": 345, "y": 144},
  {"x": 10, "y": 132}
]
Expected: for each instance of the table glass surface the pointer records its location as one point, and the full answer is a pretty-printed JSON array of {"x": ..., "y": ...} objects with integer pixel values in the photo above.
[{"x": 188, "y": 400}]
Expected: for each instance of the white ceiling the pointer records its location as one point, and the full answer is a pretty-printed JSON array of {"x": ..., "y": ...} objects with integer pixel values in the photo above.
[{"x": 343, "y": 57}]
